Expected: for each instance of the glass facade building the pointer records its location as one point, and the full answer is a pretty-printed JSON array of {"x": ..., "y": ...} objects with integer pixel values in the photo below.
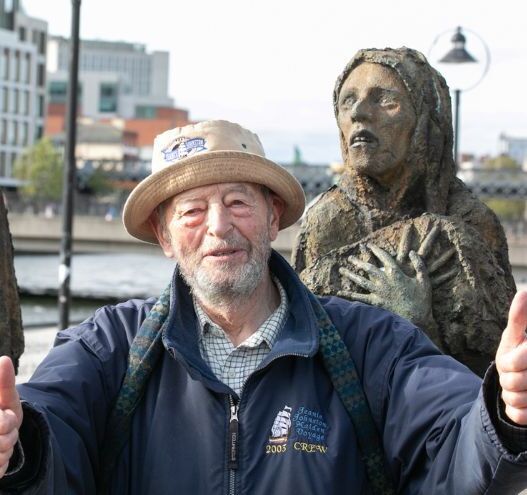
[{"x": 22, "y": 82}]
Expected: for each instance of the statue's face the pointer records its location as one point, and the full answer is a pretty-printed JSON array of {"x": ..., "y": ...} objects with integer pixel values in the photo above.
[{"x": 377, "y": 121}]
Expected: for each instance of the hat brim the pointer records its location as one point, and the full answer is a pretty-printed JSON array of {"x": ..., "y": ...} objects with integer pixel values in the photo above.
[{"x": 204, "y": 169}]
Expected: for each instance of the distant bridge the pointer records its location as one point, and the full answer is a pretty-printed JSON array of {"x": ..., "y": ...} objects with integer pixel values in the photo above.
[
  {"x": 509, "y": 184},
  {"x": 504, "y": 184}
]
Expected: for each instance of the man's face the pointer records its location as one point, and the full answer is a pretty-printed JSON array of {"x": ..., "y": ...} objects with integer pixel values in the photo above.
[
  {"x": 377, "y": 121},
  {"x": 221, "y": 237}
]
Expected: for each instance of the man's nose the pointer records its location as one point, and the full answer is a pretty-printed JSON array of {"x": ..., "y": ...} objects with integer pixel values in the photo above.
[{"x": 219, "y": 221}]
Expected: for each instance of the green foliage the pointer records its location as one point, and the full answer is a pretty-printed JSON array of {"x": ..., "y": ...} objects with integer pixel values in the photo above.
[
  {"x": 98, "y": 183},
  {"x": 506, "y": 209},
  {"x": 502, "y": 162},
  {"x": 41, "y": 168}
]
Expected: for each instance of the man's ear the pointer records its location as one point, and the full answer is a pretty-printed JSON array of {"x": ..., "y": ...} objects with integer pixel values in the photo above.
[
  {"x": 277, "y": 206},
  {"x": 161, "y": 232}
]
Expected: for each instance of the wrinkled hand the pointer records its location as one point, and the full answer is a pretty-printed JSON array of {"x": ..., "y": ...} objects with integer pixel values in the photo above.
[
  {"x": 389, "y": 287},
  {"x": 10, "y": 413},
  {"x": 511, "y": 361}
]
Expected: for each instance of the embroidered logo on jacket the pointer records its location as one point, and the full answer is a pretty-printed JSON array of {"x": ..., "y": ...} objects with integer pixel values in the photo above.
[
  {"x": 306, "y": 428},
  {"x": 183, "y": 147},
  {"x": 279, "y": 432},
  {"x": 311, "y": 430}
]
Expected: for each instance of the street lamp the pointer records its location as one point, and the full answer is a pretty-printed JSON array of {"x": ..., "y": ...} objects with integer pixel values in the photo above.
[
  {"x": 457, "y": 58},
  {"x": 69, "y": 171}
]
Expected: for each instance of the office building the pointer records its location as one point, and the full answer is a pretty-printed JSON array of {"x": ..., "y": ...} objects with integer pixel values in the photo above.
[
  {"x": 23, "y": 42},
  {"x": 116, "y": 79}
]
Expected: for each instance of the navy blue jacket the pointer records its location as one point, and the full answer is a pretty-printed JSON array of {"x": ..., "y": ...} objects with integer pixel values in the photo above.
[{"x": 295, "y": 436}]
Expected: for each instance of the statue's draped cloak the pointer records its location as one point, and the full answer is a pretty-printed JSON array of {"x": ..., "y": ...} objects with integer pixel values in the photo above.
[
  {"x": 358, "y": 207},
  {"x": 11, "y": 335}
]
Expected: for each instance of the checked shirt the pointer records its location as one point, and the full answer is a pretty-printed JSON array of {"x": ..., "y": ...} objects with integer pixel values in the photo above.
[{"x": 233, "y": 365}]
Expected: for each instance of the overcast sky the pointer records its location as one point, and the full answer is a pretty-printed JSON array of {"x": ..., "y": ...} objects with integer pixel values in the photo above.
[{"x": 271, "y": 65}]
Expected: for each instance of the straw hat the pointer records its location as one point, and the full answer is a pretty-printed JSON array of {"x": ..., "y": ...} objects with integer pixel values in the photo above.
[{"x": 202, "y": 154}]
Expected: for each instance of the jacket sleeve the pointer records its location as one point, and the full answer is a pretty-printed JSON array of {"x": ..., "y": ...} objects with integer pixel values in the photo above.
[
  {"x": 437, "y": 419},
  {"x": 440, "y": 427},
  {"x": 66, "y": 404}
]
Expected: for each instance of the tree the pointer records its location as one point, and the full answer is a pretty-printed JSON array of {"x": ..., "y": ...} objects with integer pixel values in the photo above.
[
  {"x": 510, "y": 210},
  {"x": 41, "y": 167},
  {"x": 502, "y": 162},
  {"x": 93, "y": 181}
]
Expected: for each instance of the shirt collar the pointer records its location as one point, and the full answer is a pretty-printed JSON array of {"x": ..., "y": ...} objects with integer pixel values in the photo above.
[{"x": 267, "y": 332}]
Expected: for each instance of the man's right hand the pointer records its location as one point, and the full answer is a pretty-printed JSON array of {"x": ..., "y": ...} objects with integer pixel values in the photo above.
[{"x": 10, "y": 413}]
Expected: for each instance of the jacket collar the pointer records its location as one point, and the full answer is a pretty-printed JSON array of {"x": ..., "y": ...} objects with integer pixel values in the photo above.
[{"x": 299, "y": 336}]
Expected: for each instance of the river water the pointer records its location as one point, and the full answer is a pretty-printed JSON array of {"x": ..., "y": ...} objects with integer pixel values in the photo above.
[{"x": 97, "y": 279}]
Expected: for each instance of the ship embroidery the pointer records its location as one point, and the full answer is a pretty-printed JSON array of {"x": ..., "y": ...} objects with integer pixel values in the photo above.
[{"x": 281, "y": 426}]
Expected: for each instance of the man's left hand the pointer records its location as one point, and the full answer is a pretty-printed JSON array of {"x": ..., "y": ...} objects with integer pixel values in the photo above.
[{"x": 511, "y": 361}]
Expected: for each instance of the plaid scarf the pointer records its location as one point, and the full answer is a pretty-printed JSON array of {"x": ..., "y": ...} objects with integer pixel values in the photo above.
[{"x": 147, "y": 348}]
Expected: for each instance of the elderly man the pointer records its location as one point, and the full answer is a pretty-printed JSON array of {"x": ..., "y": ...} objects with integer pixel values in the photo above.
[{"x": 224, "y": 378}]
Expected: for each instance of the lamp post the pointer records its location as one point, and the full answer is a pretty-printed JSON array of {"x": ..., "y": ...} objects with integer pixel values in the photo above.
[
  {"x": 458, "y": 56},
  {"x": 69, "y": 171}
]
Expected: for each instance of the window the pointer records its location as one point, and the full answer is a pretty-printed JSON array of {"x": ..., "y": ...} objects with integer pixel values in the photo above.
[
  {"x": 41, "y": 75},
  {"x": 145, "y": 112},
  {"x": 2, "y": 164},
  {"x": 24, "y": 133},
  {"x": 3, "y": 134},
  {"x": 108, "y": 98},
  {"x": 5, "y": 100},
  {"x": 22, "y": 102},
  {"x": 16, "y": 96},
  {"x": 26, "y": 72},
  {"x": 9, "y": 166},
  {"x": 57, "y": 91},
  {"x": 10, "y": 133},
  {"x": 39, "y": 131},
  {"x": 42, "y": 43},
  {"x": 41, "y": 105},
  {"x": 22, "y": 33},
  {"x": 16, "y": 71},
  {"x": 25, "y": 103},
  {"x": 6, "y": 65}
]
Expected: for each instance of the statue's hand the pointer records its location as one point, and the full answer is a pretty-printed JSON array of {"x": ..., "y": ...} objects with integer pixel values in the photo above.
[{"x": 390, "y": 288}]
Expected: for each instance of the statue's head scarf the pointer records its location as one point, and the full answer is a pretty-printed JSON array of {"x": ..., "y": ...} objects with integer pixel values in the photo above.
[{"x": 430, "y": 154}]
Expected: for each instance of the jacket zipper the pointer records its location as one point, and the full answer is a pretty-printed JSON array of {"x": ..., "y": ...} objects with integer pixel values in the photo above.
[
  {"x": 234, "y": 423},
  {"x": 232, "y": 464}
]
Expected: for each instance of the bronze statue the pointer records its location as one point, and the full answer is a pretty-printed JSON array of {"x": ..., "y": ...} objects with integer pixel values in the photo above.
[
  {"x": 11, "y": 335},
  {"x": 399, "y": 230}
]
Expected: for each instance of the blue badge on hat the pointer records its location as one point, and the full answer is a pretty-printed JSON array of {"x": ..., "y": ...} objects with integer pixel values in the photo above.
[{"x": 183, "y": 148}]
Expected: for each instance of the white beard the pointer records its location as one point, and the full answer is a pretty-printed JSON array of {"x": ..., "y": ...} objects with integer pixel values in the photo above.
[{"x": 227, "y": 286}]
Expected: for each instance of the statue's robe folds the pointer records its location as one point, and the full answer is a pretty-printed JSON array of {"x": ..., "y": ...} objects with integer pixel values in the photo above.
[
  {"x": 11, "y": 335},
  {"x": 470, "y": 309}
]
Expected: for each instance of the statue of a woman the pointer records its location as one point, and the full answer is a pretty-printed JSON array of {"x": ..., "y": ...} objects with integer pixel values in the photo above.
[{"x": 399, "y": 230}]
